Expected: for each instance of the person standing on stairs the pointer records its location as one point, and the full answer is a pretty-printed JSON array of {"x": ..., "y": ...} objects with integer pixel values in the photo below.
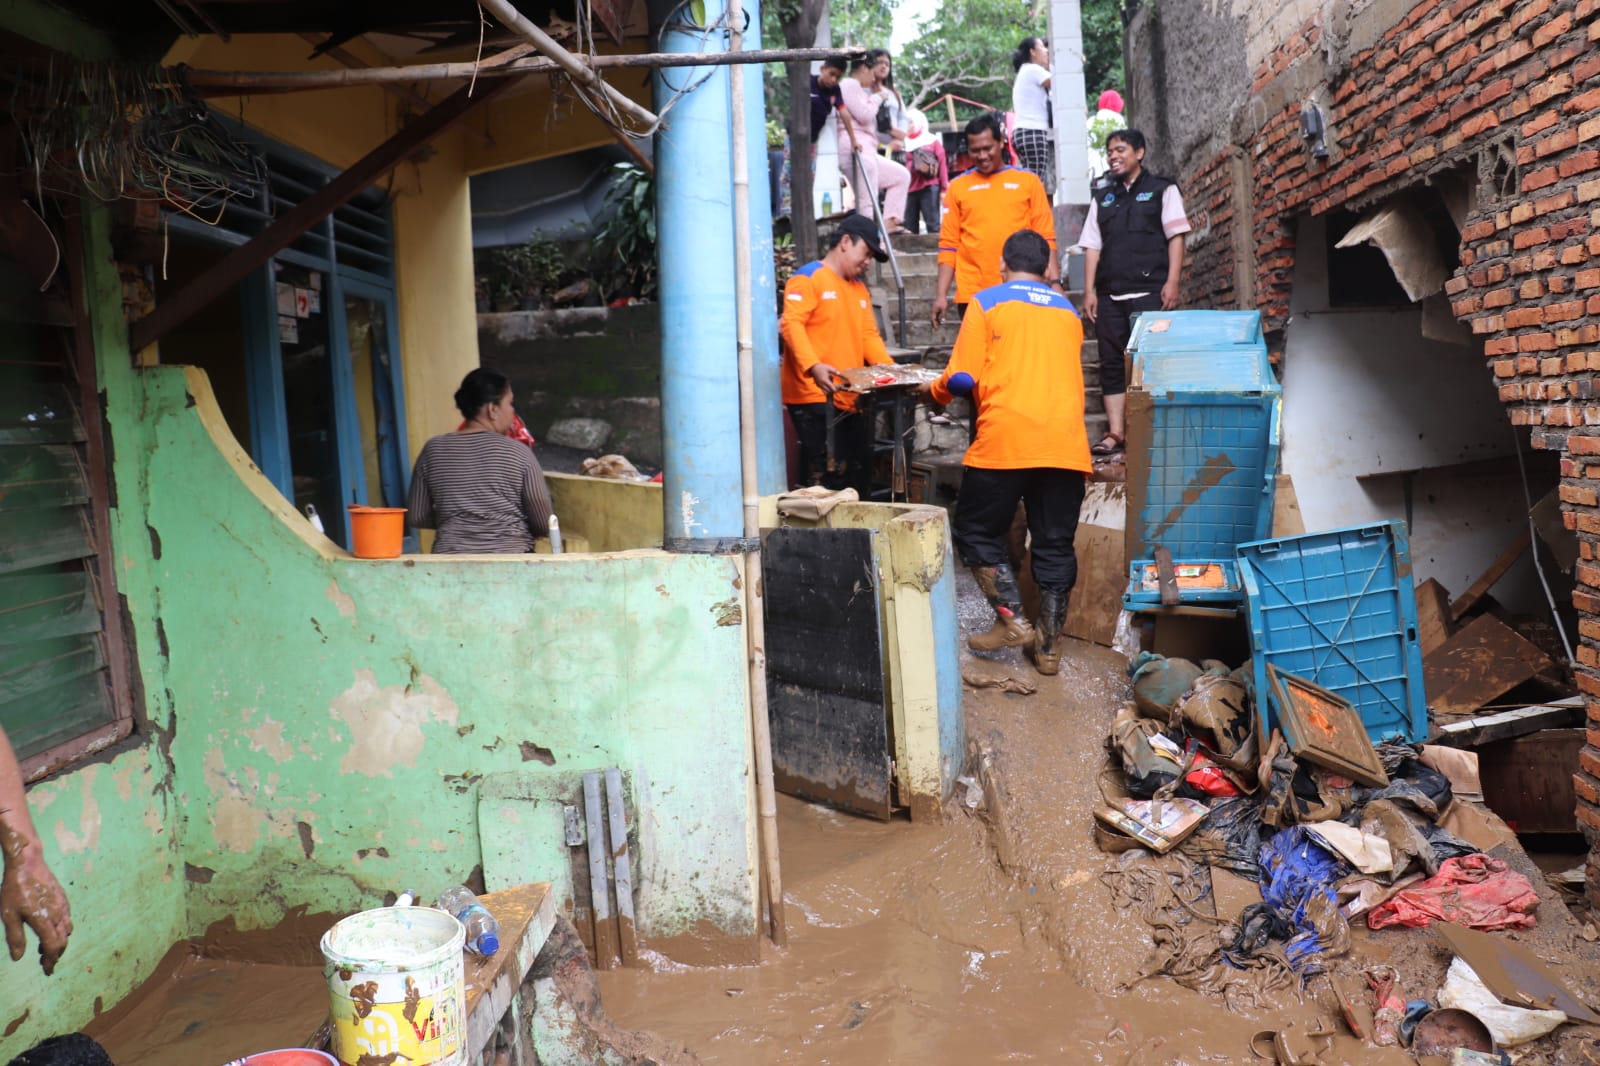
[
  {"x": 1132, "y": 262},
  {"x": 1018, "y": 356},
  {"x": 984, "y": 207},
  {"x": 828, "y": 326},
  {"x": 869, "y": 171}
]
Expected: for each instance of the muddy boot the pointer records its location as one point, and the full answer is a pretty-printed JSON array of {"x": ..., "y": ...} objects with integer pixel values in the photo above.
[
  {"x": 1011, "y": 628},
  {"x": 1047, "y": 633}
]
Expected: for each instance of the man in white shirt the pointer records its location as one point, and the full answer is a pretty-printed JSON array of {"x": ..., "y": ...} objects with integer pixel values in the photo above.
[{"x": 1132, "y": 262}]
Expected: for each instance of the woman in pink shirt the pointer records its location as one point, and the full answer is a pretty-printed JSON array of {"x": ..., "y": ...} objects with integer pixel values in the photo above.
[
  {"x": 924, "y": 149},
  {"x": 874, "y": 171}
]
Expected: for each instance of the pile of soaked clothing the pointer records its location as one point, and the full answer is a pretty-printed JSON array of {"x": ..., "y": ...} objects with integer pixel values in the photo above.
[{"x": 1325, "y": 849}]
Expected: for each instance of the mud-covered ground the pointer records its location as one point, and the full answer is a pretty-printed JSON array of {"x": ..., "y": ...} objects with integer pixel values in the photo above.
[{"x": 991, "y": 938}]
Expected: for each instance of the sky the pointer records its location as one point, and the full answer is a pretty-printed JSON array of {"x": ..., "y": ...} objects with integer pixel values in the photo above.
[{"x": 906, "y": 17}]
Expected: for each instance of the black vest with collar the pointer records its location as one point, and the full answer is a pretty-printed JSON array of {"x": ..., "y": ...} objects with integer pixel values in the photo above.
[{"x": 1133, "y": 256}]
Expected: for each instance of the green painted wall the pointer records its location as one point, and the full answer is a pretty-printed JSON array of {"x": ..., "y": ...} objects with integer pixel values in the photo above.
[{"x": 316, "y": 727}]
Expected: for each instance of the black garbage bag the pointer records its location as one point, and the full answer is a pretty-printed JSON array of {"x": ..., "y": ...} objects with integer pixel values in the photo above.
[
  {"x": 1229, "y": 837},
  {"x": 1257, "y": 925},
  {"x": 1445, "y": 845},
  {"x": 1429, "y": 781}
]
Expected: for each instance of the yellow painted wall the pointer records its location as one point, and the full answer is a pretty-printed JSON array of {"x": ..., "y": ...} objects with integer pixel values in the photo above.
[
  {"x": 432, "y": 205},
  {"x": 532, "y": 123}
]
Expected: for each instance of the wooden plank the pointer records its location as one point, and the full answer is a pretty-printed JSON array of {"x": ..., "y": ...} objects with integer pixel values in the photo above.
[
  {"x": 1485, "y": 660},
  {"x": 1496, "y": 571},
  {"x": 1516, "y": 722},
  {"x": 1287, "y": 521},
  {"x": 239, "y": 263},
  {"x": 605, "y": 930},
  {"x": 1096, "y": 600},
  {"x": 624, "y": 868},
  {"x": 1433, "y": 615},
  {"x": 1528, "y": 780}
]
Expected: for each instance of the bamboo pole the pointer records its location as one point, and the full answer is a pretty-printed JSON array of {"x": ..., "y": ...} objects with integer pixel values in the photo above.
[
  {"x": 515, "y": 21},
  {"x": 754, "y": 611},
  {"x": 233, "y": 82}
]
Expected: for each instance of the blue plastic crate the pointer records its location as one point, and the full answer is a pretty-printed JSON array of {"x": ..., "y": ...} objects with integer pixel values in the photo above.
[
  {"x": 1140, "y": 598},
  {"x": 1338, "y": 609}
]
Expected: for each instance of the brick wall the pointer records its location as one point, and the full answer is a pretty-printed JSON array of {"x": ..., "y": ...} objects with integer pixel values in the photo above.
[{"x": 1505, "y": 93}]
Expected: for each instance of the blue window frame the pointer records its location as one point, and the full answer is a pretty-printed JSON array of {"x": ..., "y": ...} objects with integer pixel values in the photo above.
[{"x": 321, "y": 346}]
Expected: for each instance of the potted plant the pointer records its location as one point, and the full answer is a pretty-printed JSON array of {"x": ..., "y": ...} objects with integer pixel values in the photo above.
[{"x": 624, "y": 249}]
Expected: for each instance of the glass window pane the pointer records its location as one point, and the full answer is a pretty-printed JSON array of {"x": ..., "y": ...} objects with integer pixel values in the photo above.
[
  {"x": 372, "y": 365},
  {"x": 308, "y": 391}
]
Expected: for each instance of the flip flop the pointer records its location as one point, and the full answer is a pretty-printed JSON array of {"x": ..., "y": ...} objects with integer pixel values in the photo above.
[{"x": 1103, "y": 448}]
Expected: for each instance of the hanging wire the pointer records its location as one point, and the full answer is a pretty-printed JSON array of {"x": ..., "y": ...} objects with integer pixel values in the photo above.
[
  {"x": 118, "y": 130},
  {"x": 1533, "y": 549}
]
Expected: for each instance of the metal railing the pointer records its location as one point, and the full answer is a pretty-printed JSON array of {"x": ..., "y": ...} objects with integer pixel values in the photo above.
[{"x": 868, "y": 181}]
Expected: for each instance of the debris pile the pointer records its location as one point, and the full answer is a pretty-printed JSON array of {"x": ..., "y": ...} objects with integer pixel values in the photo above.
[{"x": 1250, "y": 855}]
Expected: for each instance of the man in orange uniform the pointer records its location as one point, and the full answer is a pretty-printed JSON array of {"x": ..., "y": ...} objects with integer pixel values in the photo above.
[
  {"x": 983, "y": 207},
  {"x": 828, "y": 326},
  {"x": 1017, "y": 356}
]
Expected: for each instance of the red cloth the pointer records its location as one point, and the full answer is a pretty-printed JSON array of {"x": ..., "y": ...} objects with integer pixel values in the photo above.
[
  {"x": 1474, "y": 890},
  {"x": 518, "y": 431}
]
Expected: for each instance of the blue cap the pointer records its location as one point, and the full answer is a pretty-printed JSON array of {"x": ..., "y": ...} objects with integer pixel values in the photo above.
[{"x": 487, "y": 944}]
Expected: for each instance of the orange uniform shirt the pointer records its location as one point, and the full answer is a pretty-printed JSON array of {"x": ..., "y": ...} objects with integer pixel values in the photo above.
[
  {"x": 826, "y": 319},
  {"x": 1019, "y": 355},
  {"x": 980, "y": 212}
]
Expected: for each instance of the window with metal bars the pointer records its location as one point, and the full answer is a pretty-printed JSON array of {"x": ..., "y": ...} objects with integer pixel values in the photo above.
[{"x": 63, "y": 670}]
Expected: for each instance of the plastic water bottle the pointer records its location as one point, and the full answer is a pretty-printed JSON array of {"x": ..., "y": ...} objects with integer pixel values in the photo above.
[
  {"x": 827, "y": 203},
  {"x": 483, "y": 931},
  {"x": 555, "y": 535},
  {"x": 314, "y": 518}
]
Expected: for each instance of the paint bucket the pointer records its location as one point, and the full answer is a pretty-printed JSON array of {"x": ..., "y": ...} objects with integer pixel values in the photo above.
[
  {"x": 397, "y": 987},
  {"x": 376, "y": 532},
  {"x": 289, "y": 1056}
]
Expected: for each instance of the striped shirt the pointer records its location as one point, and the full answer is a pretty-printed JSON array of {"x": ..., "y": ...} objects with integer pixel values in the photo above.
[{"x": 482, "y": 492}]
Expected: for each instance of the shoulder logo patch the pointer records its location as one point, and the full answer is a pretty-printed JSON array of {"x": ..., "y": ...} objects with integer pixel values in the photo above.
[{"x": 1142, "y": 197}]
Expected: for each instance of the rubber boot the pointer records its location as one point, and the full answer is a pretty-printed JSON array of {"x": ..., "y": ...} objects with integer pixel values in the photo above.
[
  {"x": 1047, "y": 633},
  {"x": 1011, "y": 628}
]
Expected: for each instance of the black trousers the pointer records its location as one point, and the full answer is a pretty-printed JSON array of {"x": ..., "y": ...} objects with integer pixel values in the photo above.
[
  {"x": 852, "y": 447},
  {"x": 1113, "y": 325},
  {"x": 923, "y": 206},
  {"x": 1052, "y": 498}
]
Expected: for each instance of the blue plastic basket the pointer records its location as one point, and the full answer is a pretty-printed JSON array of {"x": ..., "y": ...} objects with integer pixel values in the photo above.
[
  {"x": 1339, "y": 610},
  {"x": 1215, "y": 413}
]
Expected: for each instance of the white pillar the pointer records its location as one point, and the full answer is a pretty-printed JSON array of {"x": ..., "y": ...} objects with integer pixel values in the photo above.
[{"x": 1070, "y": 107}]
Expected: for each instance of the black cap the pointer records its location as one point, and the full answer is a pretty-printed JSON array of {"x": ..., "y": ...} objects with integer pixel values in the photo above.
[{"x": 863, "y": 228}]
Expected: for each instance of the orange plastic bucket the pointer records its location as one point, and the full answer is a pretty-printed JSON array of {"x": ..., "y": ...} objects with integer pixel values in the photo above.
[{"x": 376, "y": 532}]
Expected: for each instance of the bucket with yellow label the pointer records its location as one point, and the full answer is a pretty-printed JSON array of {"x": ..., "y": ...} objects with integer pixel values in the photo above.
[{"x": 397, "y": 988}]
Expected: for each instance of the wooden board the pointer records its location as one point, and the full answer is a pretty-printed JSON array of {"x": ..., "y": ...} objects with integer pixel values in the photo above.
[
  {"x": 1287, "y": 521},
  {"x": 1433, "y": 615},
  {"x": 1096, "y": 599},
  {"x": 1485, "y": 660},
  {"x": 1496, "y": 571},
  {"x": 826, "y": 693},
  {"x": 1528, "y": 781},
  {"x": 1508, "y": 724}
]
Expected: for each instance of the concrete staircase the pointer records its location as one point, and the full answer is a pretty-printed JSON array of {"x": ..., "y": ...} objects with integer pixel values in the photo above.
[{"x": 917, "y": 257}]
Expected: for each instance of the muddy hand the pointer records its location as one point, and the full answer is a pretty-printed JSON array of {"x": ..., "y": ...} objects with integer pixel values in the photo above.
[{"x": 31, "y": 896}]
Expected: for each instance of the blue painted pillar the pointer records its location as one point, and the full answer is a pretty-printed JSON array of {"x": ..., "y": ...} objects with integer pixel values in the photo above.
[
  {"x": 699, "y": 342},
  {"x": 772, "y": 475}
]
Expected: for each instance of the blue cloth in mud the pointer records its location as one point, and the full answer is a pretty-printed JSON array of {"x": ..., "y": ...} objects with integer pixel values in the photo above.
[{"x": 1297, "y": 878}]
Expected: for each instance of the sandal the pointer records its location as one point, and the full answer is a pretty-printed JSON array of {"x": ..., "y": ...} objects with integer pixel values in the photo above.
[{"x": 1110, "y": 444}]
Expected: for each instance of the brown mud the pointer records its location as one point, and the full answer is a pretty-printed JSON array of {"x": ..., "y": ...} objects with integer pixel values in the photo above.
[{"x": 990, "y": 937}]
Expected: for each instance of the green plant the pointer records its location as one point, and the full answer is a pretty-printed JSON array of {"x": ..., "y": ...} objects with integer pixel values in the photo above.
[
  {"x": 624, "y": 250},
  {"x": 776, "y": 134},
  {"x": 516, "y": 272},
  {"x": 784, "y": 261}
]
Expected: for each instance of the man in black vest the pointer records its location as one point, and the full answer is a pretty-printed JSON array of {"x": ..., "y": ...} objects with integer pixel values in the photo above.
[{"x": 1132, "y": 262}]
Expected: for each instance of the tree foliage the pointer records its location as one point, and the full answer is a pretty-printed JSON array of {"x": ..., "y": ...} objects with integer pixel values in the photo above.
[
  {"x": 1102, "y": 47},
  {"x": 965, "y": 48}
]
